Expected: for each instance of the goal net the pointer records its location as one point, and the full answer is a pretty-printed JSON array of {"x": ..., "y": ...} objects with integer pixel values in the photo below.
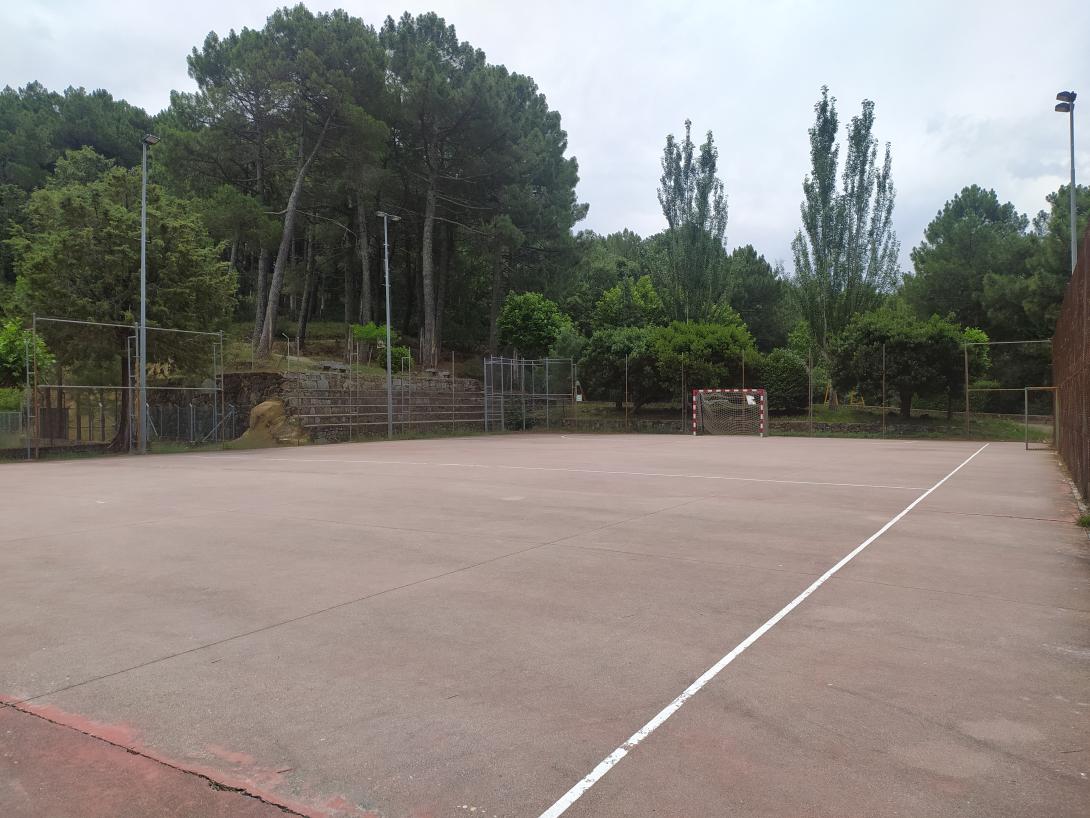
[{"x": 730, "y": 412}]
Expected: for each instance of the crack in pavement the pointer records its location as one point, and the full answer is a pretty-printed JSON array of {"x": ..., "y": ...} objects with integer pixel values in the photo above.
[{"x": 212, "y": 783}]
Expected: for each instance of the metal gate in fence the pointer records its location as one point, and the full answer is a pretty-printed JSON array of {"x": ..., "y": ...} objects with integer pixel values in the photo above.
[{"x": 523, "y": 393}]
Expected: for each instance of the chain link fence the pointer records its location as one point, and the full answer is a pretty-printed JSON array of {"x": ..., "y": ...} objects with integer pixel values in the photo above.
[
  {"x": 527, "y": 393},
  {"x": 1071, "y": 367},
  {"x": 82, "y": 390}
]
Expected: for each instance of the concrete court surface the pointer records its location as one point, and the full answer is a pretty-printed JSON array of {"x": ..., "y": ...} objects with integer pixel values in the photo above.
[{"x": 470, "y": 626}]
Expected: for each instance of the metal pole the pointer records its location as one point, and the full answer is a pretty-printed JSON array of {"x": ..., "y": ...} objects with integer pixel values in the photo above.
[
  {"x": 389, "y": 353},
  {"x": 626, "y": 392},
  {"x": 37, "y": 408},
  {"x": 547, "y": 393},
  {"x": 883, "y": 389},
  {"x": 1026, "y": 418},
  {"x": 683, "y": 407},
  {"x": 142, "y": 351},
  {"x": 1074, "y": 229},
  {"x": 484, "y": 392},
  {"x": 130, "y": 399},
  {"x": 223, "y": 391},
  {"x": 965, "y": 349},
  {"x": 743, "y": 369},
  {"x": 26, "y": 431},
  {"x": 575, "y": 393},
  {"x": 810, "y": 395}
]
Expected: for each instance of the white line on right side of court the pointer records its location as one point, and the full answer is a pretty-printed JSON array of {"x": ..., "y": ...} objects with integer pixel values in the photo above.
[{"x": 576, "y": 792}]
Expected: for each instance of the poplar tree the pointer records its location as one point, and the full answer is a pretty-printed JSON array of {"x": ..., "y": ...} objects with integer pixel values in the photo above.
[
  {"x": 693, "y": 285},
  {"x": 846, "y": 254}
]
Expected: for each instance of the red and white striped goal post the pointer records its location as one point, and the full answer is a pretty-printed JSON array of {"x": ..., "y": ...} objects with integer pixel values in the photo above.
[{"x": 762, "y": 402}]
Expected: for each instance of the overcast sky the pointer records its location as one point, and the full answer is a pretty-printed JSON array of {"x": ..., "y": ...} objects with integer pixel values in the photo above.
[{"x": 964, "y": 90}]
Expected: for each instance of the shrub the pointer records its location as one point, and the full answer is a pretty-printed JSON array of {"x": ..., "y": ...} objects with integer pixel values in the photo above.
[
  {"x": 569, "y": 342},
  {"x": 529, "y": 323},
  {"x": 372, "y": 333},
  {"x": 602, "y": 368},
  {"x": 397, "y": 354},
  {"x": 629, "y": 304},
  {"x": 13, "y": 353},
  {"x": 11, "y": 400},
  {"x": 784, "y": 377},
  {"x": 709, "y": 355},
  {"x": 922, "y": 357}
]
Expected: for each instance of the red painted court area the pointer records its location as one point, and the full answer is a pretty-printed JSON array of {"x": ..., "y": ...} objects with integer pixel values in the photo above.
[{"x": 545, "y": 625}]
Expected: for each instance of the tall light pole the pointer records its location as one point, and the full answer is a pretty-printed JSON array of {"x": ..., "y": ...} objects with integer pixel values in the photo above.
[
  {"x": 142, "y": 337},
  {"x": 386, "y": 219},
  {"x": 1066, "y": 105}
]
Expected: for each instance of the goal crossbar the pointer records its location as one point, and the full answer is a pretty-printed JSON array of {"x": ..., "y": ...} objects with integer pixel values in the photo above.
[{"x": 730, "y": 411}]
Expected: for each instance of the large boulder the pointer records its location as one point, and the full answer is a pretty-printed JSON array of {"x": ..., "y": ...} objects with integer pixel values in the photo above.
[{"x": 270, "y": 425}]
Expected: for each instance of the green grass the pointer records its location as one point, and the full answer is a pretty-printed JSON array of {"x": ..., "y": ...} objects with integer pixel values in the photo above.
[
  {"x": 852, "y": 421},
  {"x": 1083, "y": 521},
  {"x": 11, "y": 400},
  {"x": 11, "y": 441},
  {"x": 177, "y": 447}
]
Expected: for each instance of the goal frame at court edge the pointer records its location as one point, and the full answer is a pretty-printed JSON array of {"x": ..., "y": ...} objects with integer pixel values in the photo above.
[{"x": 762, "y": 401}]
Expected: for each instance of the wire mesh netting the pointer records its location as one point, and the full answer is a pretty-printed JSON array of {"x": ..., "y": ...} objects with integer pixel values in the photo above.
[
  {"x": 729, "y": 411},
  {"x": 83, "y": 390},
  {"x": 523, "y": 393},
  {"x": 1071, "y": 368}
]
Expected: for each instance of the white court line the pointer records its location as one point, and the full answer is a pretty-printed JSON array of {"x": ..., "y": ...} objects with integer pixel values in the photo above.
[
  {"x": 576, "y": 792},
  {"x": 586, "y": 471}
]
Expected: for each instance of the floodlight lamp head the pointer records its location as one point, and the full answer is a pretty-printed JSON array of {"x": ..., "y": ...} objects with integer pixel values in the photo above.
[
  {"x": 382, "y": 214},
  {"x": 150, "y": 139},
  {"x": 1066, "y": 96},
  {"x": 1063, "y": 107}
]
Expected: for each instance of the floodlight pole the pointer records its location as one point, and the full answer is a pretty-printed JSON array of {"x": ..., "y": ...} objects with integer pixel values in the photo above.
[
  {"x": 1066, "y": 105},
  {"x": 1074, "y": 228},
  {"x": 386, "y": 219},
  {"x": 142, "y": 338}
]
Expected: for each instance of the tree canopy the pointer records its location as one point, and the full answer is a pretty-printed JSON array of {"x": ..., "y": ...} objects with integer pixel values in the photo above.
[
  {"x": 268, "y": 178},
  {"x": 846, "y": 254},
  {"x": 921, "y": 357}
]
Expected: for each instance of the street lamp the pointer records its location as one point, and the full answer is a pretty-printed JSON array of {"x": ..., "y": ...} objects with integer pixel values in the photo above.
[
  {"x": 142, "y": 338},
  {"x": 386, "y": 219},
  {"x": 1066, "y": 105}
]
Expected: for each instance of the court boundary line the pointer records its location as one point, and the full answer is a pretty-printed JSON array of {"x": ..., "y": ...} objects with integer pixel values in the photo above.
[
  {"x": 561, "y": 805},
  {"x": 564, "y": 469}
]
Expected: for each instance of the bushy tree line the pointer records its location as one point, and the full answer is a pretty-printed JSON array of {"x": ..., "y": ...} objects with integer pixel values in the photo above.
[
  {"x": 267, "y": 181},
  {"x": 298, "y": 133}
]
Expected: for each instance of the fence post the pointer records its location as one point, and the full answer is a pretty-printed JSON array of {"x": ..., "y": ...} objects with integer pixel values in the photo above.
[
  {"x": 37, "y": 408},
  {"x": 884, "y": 410},
  {"x": 26, "y": 430},
  {"x": 1026, "y": 416},
  {"x": 548, "y": 395},
  {"x": 575, "y": 394},
  {"x": 683, "y": 413},
  {"x": 485, "y": 396},
  {"x": 810, "y": 388},
  {"x": 626, "y": 391},
  {"x": 223, "y": 390},
  {"x": 965, "y": 350}
]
